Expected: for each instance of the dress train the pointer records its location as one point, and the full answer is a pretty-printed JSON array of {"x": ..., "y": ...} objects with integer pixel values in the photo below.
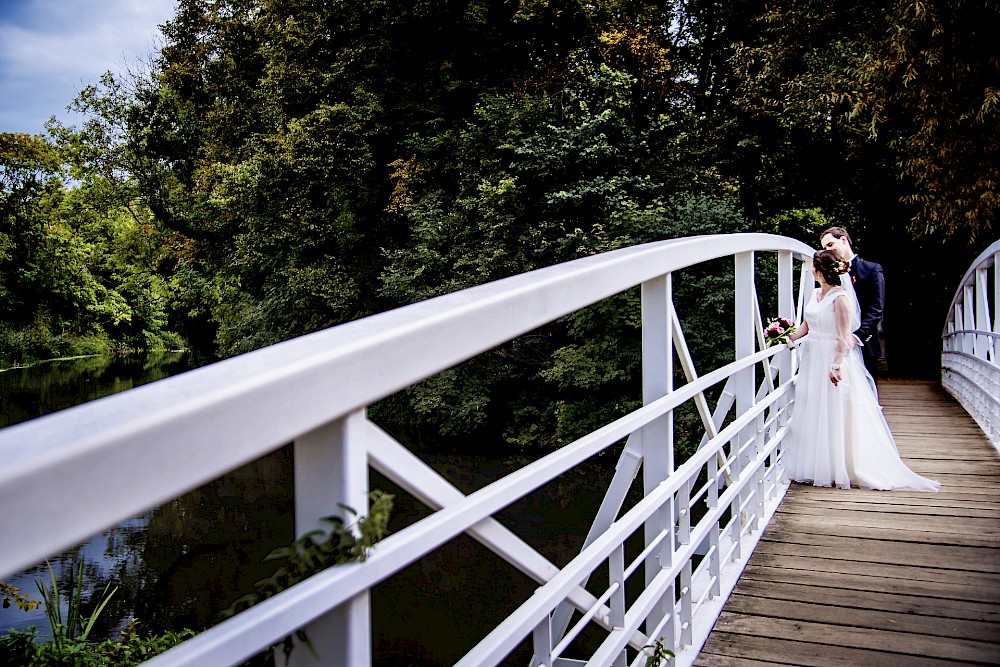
[{"x": 838, "y": 436}]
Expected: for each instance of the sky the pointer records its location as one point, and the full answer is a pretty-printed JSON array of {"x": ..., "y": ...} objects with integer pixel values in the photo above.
[{"x": 51, "y": 49}]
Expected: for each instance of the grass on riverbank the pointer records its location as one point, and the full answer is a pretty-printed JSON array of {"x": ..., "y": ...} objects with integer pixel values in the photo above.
[{"x": 29, "y": 345}]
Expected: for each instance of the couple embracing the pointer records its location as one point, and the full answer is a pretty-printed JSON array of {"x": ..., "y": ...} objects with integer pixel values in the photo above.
[{"x": 838, "y": 435}]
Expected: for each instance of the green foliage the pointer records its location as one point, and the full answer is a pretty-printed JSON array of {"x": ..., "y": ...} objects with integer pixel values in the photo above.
[
  {"x": 285, "y": 167},
  {"x": 69, "y": 644},
  {"x": 316, "y": 551},
  {"x": 803, "y": 224},
  {"x": 20, "y": 648},
  {"x": 29, "y": 168},
  {"x": 531, "y": 181},
  {"x": 658, "y": 655},
  {"x": 80, "y": 269},
  {"x": 319, "y": 549},
  {"x": 75, "y": 629},
  {"x": 907, "y": 93}
]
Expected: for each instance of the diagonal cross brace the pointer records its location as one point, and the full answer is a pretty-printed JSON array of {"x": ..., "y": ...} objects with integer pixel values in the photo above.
[{"x": 400, "y": 465}]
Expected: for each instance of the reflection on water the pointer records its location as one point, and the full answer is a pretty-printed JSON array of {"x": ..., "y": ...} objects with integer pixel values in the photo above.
[
  {"x": 33, "y": 391},
  {"x": 194, "y": 554},
  {"x": 181, "y": 564}
]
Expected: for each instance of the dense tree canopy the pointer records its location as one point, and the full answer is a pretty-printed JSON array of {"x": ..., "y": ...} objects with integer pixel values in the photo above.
[
  {"x": 910, "y": 92},
  {"x": 287, "y": 165}
]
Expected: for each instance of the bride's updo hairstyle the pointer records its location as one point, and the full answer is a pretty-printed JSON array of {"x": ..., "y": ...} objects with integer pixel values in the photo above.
[{"x": 830, "y": 266}]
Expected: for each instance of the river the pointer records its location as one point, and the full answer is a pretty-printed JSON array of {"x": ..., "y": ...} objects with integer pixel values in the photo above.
[{"x": 183, "y": 563}]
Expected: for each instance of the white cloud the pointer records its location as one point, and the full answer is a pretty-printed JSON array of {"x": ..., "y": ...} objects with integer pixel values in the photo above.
[{"x": 50, "y": 49}]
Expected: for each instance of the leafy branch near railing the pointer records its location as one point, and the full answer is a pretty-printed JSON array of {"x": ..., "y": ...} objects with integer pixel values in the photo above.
[
  {"x": 658, "y": 655},
  {"x": 316, "y": 551},
  {"x": 10, "y": 594}
]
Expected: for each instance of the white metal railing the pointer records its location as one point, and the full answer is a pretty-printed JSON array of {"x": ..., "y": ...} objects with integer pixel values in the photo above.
[
  {"x": 970, "y": 369},
  {"x": 74, "y": 473}
]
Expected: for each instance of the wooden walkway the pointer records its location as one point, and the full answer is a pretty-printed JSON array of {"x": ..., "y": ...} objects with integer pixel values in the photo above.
[{"x": 880, "y": 578}]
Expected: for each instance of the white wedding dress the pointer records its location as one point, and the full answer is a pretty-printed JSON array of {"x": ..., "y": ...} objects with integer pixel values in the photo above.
[{"x": 838, "y": 436}]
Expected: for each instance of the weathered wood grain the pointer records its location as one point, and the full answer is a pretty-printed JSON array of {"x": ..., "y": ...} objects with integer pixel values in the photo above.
[{"x": 856, "y": 577}]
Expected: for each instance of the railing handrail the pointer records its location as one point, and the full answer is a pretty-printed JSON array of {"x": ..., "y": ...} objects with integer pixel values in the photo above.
[
  {"x": 978, "y": 332},
  {"x": 984, "y": 260},
  {"x": 173, "y": 417},
  {"x": 116, "y": 457}
]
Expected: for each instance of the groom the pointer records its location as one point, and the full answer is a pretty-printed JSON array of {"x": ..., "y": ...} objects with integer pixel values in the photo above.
[{"x": 869, "y": 284}]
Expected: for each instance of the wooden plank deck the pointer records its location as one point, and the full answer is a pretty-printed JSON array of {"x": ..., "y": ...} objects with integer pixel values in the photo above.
[{"x": 880, "y": 578}]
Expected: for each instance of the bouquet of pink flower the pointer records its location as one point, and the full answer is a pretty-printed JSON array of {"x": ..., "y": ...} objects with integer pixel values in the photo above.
[{"x": 777, "y": 331}]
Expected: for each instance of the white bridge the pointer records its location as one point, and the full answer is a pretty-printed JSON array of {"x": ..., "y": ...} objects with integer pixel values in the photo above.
[
  {"x": 970, "y": 365},
  {"x": 70, "y": 475}
]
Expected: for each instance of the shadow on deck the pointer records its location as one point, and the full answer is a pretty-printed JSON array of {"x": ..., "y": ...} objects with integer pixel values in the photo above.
[{"x": 880, "y": 578}]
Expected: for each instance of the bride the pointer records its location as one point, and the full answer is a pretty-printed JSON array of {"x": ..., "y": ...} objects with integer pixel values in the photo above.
[{"x": 838, "y": 435}]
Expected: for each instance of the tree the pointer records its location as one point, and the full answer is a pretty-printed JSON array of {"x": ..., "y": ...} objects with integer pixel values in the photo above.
[
  {"x": 910, "y": 90},
  {"x": 534, "y": 180},
  {"x": 932, "y": 88},
  {"x": 29, "y": 168}
]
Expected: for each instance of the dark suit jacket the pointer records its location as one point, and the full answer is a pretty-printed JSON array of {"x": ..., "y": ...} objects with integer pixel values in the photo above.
[{"x": 869, "y": 284}]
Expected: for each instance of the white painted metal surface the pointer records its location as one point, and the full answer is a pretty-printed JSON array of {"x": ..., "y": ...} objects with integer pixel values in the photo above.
[
  {"x": 970, "y": 369},
  {"x": 72, "y": 474}
]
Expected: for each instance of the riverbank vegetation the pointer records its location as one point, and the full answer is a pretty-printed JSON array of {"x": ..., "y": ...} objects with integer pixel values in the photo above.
[
  {"x": 73, "y": 615},
  {"x": 288, "y": 166},
  {"x": 69, "y": 642},
  {"x": 80, "y": 269}
]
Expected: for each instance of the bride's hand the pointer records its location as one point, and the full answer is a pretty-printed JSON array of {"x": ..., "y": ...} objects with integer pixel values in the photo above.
[{"x": 835, "y": 376}]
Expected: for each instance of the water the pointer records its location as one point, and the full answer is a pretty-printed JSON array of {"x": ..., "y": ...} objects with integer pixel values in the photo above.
[
  {"x": 181, "y": 564},
  {"x": 33, "y": 391}
]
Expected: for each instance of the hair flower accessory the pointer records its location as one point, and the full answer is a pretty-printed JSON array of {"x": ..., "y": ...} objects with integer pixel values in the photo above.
[
  {"x": 841, "y": 266},
  {"x": 777, "y": 331}
]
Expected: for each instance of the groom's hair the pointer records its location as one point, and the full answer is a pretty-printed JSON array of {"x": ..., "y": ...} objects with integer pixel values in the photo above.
[{"x": 838, "y": 233}]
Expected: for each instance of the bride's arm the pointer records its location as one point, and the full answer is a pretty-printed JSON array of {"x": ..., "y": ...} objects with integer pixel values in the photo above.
[
  {"x": 799, "y": 332},
  {"x": 842, "y": 311}
]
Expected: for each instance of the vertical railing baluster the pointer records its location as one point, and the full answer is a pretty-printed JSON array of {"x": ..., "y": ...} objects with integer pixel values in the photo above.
[
  {"x": 684, "y": 537},
  {"x": 959, "y": 345},
  {"x": 331, "y": 468},
  {"x": 712, "y": 501},
  {"x": 982, "y": 314},
  {"x": 541, "y": 640},
  {"x": 736, "y": 519},
  {"x": 995, "y": 324},
  {"x": 745, "y": 380},
  {"x": 969, "y": 318},
  {"x": 758, "y": 487},
  {"x": 658, "y": 435},
  {"x": 786, "y": 308},
  {"x": 616, "y": 573}
]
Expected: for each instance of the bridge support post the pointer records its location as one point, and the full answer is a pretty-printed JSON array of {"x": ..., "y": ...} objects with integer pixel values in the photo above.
[
  {"x": 969, "y": 320},
  {"x": 658, "y": 439},
  {"x": 745, "y": 380},
  {"x": 331, "y": 468},
  {"x": 994, "y": 324},
  {"x": 786, "y": 309},
  {"x": 982, "y": 314}
]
